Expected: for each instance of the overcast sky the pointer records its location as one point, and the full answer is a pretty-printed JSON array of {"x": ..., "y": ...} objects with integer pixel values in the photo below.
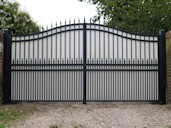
[{"x": 46, "y": 12}]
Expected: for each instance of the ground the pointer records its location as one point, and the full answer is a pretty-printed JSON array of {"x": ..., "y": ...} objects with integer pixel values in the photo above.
[{"x": 97, "y": 115}]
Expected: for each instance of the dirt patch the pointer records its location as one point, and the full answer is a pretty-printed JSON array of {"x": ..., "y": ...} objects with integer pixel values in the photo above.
[{"x": 98, "y": 115}]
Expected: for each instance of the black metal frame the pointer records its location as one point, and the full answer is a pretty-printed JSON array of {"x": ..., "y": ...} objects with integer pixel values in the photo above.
[
  {"x": 7, "y": 68},
  {"x": 162, "y": 67},
  {"x": 86, "y": 65}
]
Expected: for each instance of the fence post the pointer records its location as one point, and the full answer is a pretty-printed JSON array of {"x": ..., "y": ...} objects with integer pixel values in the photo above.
[
  {"x": 162, "y": 67},
  {"x": 168, "y": 66},
  {"x": 84, "y": 62},
  {"x": 7, "y": 68}
]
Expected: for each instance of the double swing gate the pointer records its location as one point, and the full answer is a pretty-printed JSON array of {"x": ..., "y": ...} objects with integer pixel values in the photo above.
[{"x": 84, "y": 62}]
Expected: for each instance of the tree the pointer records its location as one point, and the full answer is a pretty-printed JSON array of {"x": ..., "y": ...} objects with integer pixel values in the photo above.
[
  {"x": 138, "y": 16},
  {"x": 12, "y": 17}
]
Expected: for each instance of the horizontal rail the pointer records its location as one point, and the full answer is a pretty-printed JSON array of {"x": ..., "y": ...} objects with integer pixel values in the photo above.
[
  {"x": 81, "y": 29},
  {"x": 66, "y": 70},
  {"x": 152, "y": 101},
  {"x": 76, "y": 24},
  {"x": 82, "y": 65}
]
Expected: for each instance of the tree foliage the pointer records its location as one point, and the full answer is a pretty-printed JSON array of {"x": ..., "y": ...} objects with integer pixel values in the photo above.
[
  {"x": 138, "y": 16},
  {"x": 12, "y": 17}
]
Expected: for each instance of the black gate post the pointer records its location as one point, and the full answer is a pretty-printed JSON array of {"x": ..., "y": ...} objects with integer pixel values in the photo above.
[
  {"x": 162, "y": 67},
  {"x": 7, "y": 68},
  {"x": 84, "y": 62}
]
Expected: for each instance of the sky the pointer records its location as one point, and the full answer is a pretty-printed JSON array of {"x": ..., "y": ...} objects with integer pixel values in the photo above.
[{"x": 47, "y": 12}]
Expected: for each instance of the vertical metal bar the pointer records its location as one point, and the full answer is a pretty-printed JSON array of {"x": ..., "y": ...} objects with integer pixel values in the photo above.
[
  {"x": 98, "y": 83},
  {"x": 90, "y": 94},
  {"x": 122, "y": 81},
  {"x": 99, "y": 44},
  {"x": 76, "y": 88},
  {"x": 104, "y": 60},
  {"x": 145, "y": 59},
  {"x": 108, "y": 72},
  {"x": 55, "y": 74},
  {"x": 60, "y": 40},
  {"x": 69, "y": 42},
  {"x": 129, "y": 80},
  {"x": 19, "y": 73},
  {"x": 74, "y": 41},
  {"x": 7, "y": 67},
  {"x": 127, "y": 49},
  {"x": 156, "y": 80},
  {"x": 67, "y": 81},
  {"x": 148, "y": 68},
  {"x": 56, "y": 41},
  {"x": 72, "y": 77},
  {"x": 58, "y": 80},
  {"x": 131, "y": 49},
  {"x": 15, "y": 73},
  {"x": 79, "y": 41},
  {"x": 29, "y": 81},
  {"x": 113, "y": 72},
  {"x": 98, "y": 62},
  {"x": 106, "y": 83},
  {"x": 90, "y": 90},
  {"x": 143, "y": 82},
  {"x": 79, "y": 60},
  {"x": 95, "y": 60},
  {"x": 135, "y": 73},
  {"x": 74, "y": 61},
  {"x": 153, "y": 61},
  {"x": 42, "y": 62},
  {"x": 138, "y": 82},
  {"x": 84, "y": 61},
  {"x": 51, "y": 91},
  {"x": 90, "y": 43},
  {"x": 38, "y": 76},
  {"x": 140, "y": 73},
  {"x": 162, "y": 67},
  {"x": 116, "y": 80},
  {"x": 95, "y": 44},
  {"x": 25, "y": 83},
  {"x": 65, "y": 61},
  {"x": 17, "y": 83},
  {"x": 108, "y": 46},
  {"x": 34, "y": 73},
  {"x": 26, "y": 67},
  {"x": 147, "y": 80}
]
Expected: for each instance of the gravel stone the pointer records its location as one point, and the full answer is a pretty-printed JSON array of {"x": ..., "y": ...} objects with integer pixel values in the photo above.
[{"x": 98, "y": 115}]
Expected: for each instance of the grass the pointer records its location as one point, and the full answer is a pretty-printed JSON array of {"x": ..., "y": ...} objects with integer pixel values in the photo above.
[
  {"x": 79, "y": 126},
  {"x": 2, "y": 126},
  {"x": 54, "y": 126},
  {"x": 9, "y": 114},
  {"x": 89, "y": 110}
]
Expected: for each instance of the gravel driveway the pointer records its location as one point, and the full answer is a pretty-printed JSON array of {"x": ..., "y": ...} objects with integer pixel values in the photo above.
[{"x": 98, "y": 115}]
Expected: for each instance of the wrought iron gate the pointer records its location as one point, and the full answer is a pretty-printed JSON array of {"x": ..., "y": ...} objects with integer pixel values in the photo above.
[{"x": 84, "y": 62}]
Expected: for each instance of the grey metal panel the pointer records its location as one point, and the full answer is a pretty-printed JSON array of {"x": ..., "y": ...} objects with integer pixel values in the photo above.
[
  {"x": 65, "y": 46},
  {"x": 122, "y": 86},
  {"x": 56, "y": 86}
]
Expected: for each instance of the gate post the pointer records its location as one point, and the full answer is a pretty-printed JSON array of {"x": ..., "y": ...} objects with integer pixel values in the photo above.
[
  {"x": 168, "y": 66},
  {"x": 162, "y": 67},
  {"x": 7, "y": 68},
  {"x": 84, "y": 61}
]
